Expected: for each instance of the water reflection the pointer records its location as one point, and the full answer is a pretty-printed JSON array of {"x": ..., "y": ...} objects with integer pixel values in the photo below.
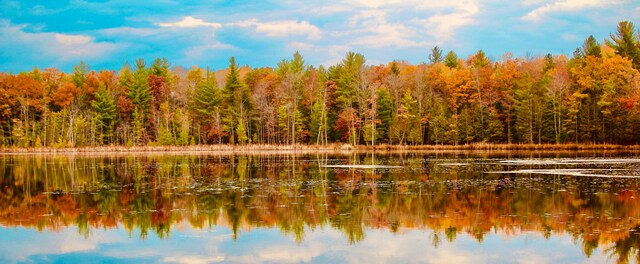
[{"x": 443, "y": 196}]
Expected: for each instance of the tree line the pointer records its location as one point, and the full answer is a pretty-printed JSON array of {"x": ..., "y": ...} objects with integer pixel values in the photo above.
[{"x": 590, "y": 97}]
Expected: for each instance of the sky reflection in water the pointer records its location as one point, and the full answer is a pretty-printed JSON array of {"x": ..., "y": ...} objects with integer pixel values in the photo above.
[{"x": 268, "y": 245}]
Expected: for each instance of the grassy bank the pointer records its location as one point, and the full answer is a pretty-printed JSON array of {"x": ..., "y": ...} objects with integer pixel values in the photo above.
[
  {"x": 195, "y": 148},
  {"x": 504, "y": 147},
  {"x": 324, "y": 148}
]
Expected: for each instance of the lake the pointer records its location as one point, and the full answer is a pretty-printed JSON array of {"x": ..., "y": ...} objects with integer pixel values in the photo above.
[{"x": 431, "y": 207}]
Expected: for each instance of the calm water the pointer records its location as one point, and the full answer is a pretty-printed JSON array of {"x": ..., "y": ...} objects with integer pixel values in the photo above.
[{"x": 401, "y": 208}]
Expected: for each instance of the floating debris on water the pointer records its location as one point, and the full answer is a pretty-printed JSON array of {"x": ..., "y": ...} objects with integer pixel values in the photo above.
[
  {"x": 571, "y": 172},
  {"x": 362, "y": 166}
]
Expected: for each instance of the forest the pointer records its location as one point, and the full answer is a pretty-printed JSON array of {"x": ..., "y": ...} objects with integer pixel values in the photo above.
[{"x": 591, "y": 97}]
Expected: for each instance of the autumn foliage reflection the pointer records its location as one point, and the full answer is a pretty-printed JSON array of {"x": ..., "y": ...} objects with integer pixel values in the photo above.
[{"x": 153, "y": 194}]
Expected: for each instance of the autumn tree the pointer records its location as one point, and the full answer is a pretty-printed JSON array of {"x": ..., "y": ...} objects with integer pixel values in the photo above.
[
  {"x": 593, "y": 97},
  {"x": 347, "y": 77}
]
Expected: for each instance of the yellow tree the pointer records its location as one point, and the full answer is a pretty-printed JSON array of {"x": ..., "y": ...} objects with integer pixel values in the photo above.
[
  {"x": 460, "y": 90},
  {"x": 619, "y": 80},
  {"x": 557, "y": 92},
  {"x": 504, "y": 80}
]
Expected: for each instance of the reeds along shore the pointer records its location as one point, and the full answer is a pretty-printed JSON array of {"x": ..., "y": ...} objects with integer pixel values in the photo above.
[{"x": 264, "y": 148}]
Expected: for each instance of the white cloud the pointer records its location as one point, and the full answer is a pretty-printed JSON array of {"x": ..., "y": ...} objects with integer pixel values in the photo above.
[
  {"x": 281, "y": 253},
  {"x": 51, "y": 45},
  {"x": 570, "y": 37},
  {"x": 535, "y": 2},
  {"x": 413, "y": 4},
  {"x": 378, "y": 32},
  {"x": 323, "y": 54},
  {"x": 129, "y": 31},
  {"x": 72, "y": 39},
  {"x": 373, "y": 3},
  {"x": 300, "y": 45},
  {"x": 369, "y": 17},
  {"x": 564, "y": 6},
  {"x": 327, "y": 10},
  {"x": 190, "y": 22},
  {"x": 405, "y": 24},
  {"x": 197, "y": 52},
  {"x": 443, "y": 25},
  {"x": 334, "y": 54},
  {"x": 282, "y": 28},
  {"x": 192, "y": 259}
]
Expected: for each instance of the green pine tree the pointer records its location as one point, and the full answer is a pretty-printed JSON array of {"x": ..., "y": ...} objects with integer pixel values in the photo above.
[
  {"x": 451, "y": 60},
  {"x": 137, "y": 126},
  {"x": 207, "y": 98},
  {"x": 626, "y": 42},
  {"x": 242, "y": 132},
  {"x": 384, "y": 114},
  {"x": 436, "y": 55},
  {"x": 160, "y": 67},
  {"x": 106, "y": 110},
  {"x": 165, "y": 137},
  {"x": 236, "y": 101},
  {"x": 138, "y": 89},
  {"x": 495, "y": 129}
]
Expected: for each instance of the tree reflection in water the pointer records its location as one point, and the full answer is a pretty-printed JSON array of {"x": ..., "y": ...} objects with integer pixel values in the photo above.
[{"x": 152, "y": 193}]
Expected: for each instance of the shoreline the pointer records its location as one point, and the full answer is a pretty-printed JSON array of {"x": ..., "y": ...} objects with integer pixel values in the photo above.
[{"x": 330, "y": 148}]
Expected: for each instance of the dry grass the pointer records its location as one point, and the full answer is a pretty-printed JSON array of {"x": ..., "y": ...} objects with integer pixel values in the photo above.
[
  {"x": 197, "y": 148},
  {"x": 505, "y": 147},
  {"x": 331, "y": 148}
]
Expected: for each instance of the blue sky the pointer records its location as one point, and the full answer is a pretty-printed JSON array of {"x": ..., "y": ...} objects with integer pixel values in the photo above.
[{"x": 107, "y": 33}]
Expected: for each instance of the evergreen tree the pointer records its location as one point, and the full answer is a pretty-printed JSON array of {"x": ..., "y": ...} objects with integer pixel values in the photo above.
[
  {"x": 165, "y": 137},
  {"x": 207, "y": 98},
  {"x": 384, "y": 114},
  {"x": 436, "y": 55},
  {"x": 105, "y": 108},
  {"x": 137, "y": 126},
  {"x": 79, "y": 74},
  {"x": 495, "y": 129},
  {"x": 591, "y": 47},
  {"x": 125, "y": 77},
  {"x": 160, "y": 67},
  {"x": 451, "y": 60},
  {"x": 347, "y": 76},
  {"x": 466, "y": 124},
  {"x": 236, "y": 101},
  {"x": 626, "y": 42},
  {"x": 291, "y": 75},
  {"x": 242, "y": 132},
  {"x": 138, "y": 90},
  {"x": 283, "y": 121},
  {"x": 479, "y": 60}
]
